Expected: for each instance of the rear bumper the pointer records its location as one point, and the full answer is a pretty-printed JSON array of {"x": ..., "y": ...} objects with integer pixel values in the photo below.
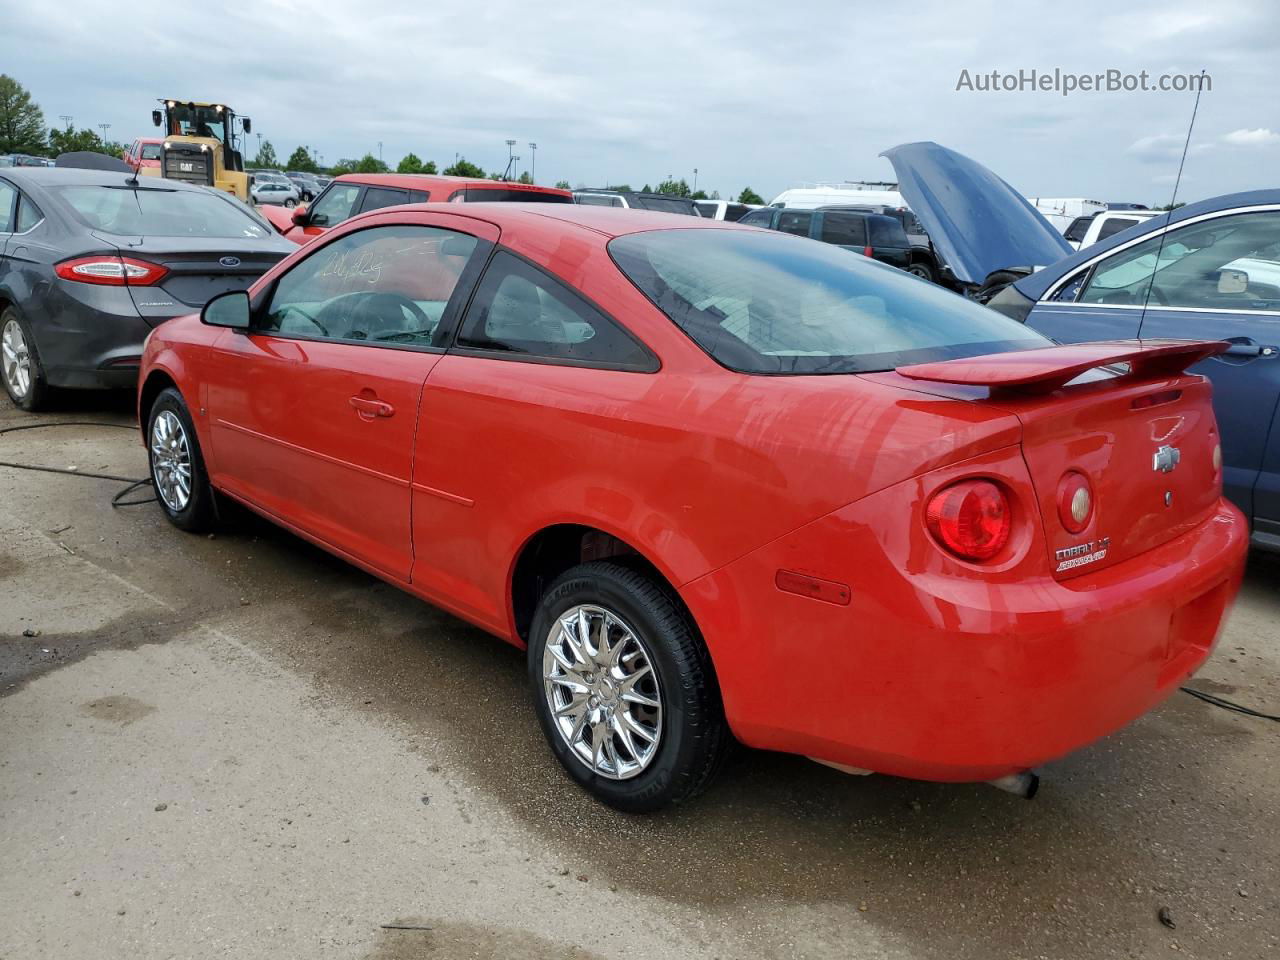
[
  {"x": 89, "y": 337},
  {"x": 921, "y": 675}
]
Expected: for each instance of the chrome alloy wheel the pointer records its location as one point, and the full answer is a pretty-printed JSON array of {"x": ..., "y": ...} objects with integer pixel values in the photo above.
[
  {"x": 15, "y": 357},
  {"x": 171, "y": 461},
  {"x": 603, "y": 692}
]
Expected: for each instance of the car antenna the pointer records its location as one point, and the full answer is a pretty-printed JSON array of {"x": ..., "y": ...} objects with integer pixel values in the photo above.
[{"x": 1155, "y": 267}]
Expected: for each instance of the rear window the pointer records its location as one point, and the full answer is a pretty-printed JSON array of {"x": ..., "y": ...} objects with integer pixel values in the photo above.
[
  {"x": 887, "y": 232},
  {"x": 505, "y": 195},
  {"x": 663, "y": 205},
  {"x": 151, "y": 151},
  {"x": 771, "y": 304},
  {"x": 148, "y": 212},
  {"x": 845, "y": 229}
]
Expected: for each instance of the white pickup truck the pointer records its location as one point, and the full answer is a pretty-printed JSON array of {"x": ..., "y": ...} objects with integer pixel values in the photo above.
[{"x": 1088, "y": 230}]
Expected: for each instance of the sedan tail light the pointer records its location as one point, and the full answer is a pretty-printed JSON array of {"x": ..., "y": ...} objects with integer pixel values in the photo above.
[
  {"x": 972, "y": 519},
  {"x": 108, "y": 271}
]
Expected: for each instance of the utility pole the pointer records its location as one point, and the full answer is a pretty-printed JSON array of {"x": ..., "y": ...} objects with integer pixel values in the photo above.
[
  {"x": 66, "y": 121},
  {"x": 533, "y": 162},
  {"x": 104, "y": 127},
  {"x": 259, "y": 144},
  {"x": 695, "y": 179},
  {"x": 379, "y": 151}
]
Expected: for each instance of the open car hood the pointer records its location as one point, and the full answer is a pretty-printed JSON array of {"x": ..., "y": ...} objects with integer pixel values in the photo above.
[{"x": 976, "y": 221}]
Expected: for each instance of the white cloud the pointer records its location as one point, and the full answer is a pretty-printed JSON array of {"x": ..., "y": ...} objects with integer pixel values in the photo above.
[{"x": 1251, "y": 138}]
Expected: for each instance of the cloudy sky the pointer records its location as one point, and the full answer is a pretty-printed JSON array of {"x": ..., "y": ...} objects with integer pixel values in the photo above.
[{"x": 770, "y": 97}]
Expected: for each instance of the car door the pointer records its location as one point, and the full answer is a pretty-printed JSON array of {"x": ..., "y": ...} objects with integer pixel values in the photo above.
[
  {"x": 1216, "y": 277},
  {"x": 313, "y": 411},
  {"x": 532, "y": 361}
]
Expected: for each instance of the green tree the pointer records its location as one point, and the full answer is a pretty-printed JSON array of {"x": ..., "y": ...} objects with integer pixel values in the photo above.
[
  {"x": 647, "y": 189},
  {"x": 409, "y": 164},
  {"x": 698, "y": 195},
  {"x": 71, "y": 141},
  {"x": 341, "y": 167},
  {"x": 749, "y": 196},
  {"x": 371, "y": 164},
  {"x": 525, "y": 178},
  {"x": 562, "y": 185},
  {"x": 464, "y": 168},
  {"x": 676, "y": 188},
  {"x": 21, "y": 120},
  {"x": 266, "y": 158},
  {"x": 301, "y": 160},
  {"x": 624, "y": 187},
  {"x": 430, "y": 167}
]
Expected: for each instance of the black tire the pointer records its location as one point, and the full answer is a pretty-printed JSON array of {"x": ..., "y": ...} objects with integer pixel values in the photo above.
[
  {"x": 923, "y": 270},
  {"x": 38, "y": 391},
  {"x": 198, "y": 514},
  {"x": 291, "y": 203},
  {"x": 694, "y": 738}
]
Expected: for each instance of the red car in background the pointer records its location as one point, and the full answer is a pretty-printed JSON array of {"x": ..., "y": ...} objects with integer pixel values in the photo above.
[
  {"x": 354, "y": 193},
  {"x": 719, "y": 482},
  {"x": 144, "y": 155}
]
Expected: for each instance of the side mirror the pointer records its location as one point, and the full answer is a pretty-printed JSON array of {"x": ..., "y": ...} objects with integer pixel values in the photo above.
[
  {"x": 229, "y": 309},
  {"x": 300, "y": 216},
  {"x": 246, "y": 124},
  {"x": 156, "y": 117}
]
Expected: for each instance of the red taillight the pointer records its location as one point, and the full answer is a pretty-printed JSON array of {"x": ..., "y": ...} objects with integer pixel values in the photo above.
[
  {"x": 111, "y": 271},
  {"x": 1075, "y": 501},
  {"x": 971, "y": 518},
  {"x": 868, "y": 251}
]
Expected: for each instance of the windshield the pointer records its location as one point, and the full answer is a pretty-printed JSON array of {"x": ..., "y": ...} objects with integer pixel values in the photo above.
[
  {"x": 197, "y": 122},
  {"x": 771, "y": 303},
  {"x": 148, "y": 212},
  {"x": 151, "y": 151}
]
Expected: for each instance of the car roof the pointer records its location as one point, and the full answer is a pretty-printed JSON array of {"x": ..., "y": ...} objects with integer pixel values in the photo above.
[
  {"x": 427, "y": 180},
  {"x": 607, "y": 221},
  {"x": 58, "y": 176}
]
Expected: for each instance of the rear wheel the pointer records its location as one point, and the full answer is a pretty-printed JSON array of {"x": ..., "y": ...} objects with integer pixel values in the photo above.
[
  {"x": 177, "y": 466},
  {"x": 23, "y": 376},
  {"x": 624, "y": 688},
  {"x": 922, "y": 270},
  {"x": 291, "y": 202}
]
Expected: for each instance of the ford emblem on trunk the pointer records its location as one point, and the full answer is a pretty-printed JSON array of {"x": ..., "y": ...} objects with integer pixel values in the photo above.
[
  {"x": 230, "y": 261},
  {"x": 1165, "y": 459}
]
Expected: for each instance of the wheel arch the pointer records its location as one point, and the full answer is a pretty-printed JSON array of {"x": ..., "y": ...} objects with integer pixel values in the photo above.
[{"x": 157, "y": 380}]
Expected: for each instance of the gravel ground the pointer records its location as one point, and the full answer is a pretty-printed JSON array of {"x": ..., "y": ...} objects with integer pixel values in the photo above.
[{"x": 240, "y": 746}]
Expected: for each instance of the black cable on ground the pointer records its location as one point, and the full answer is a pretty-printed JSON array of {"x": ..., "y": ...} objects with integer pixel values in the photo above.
[
  {"x": 1229, "y": 705},
  {"x": 117, "y": 501}
]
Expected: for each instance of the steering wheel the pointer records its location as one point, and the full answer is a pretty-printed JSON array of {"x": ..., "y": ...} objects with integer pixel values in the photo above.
[
  {"x": 290, "y": 308},
  {"x": 1158, "y": 296},
  {"x": 372, "y": 309}
]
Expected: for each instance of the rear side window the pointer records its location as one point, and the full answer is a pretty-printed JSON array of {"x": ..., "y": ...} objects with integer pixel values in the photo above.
[
  {"x": 519, "y": 310},
  {"x": 797, "y": 223},
  {"x": 8, "y": 194},
  {"x": 1079, "y": 227},
  {"x": 766, "y": 303},
  {"x": 335, "y": 205},
  {"x": 708, "y": 209},
  {"x": 382, "y": 285},
  {"x": 598, "y": 200},
  {"x": 845, "y": 229},
  {"x": 1113, "y": 225},
  {"x": 377, "y": 197},
  {"x": 735, "y": 211},
  {"x": 887, "y": 232},
  {"x": 28, "y": 215}
]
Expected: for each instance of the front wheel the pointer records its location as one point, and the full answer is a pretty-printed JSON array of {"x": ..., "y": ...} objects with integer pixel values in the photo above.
[
  {"x": 923, "y": 271},
  {"x": 177, "y": 466},
  {"x": 291, "y": 202},
  {"x": 624, "y": 688}
]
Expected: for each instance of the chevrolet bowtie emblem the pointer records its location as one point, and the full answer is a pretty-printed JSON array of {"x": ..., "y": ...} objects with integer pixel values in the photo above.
[{"x": 1165, "y": 459}]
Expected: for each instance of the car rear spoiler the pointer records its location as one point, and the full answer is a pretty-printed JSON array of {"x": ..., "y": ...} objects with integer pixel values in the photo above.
[{"x": 1050, "y": 368}]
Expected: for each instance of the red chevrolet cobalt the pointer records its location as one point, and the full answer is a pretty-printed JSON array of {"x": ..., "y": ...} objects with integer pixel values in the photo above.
[{"x": 721, "y": 483}]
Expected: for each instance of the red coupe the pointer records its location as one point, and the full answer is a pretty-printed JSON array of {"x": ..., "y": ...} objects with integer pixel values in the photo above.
[{"x": 721, "y": 482}]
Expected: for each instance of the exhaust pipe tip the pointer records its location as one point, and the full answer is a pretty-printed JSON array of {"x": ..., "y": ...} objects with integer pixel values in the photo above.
[{"x": 1024, "y": 784}]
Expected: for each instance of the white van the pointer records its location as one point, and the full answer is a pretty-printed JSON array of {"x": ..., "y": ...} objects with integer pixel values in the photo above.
[
  {"x": 1062, "y": 212},
  {"x": 845, "y": 193}
]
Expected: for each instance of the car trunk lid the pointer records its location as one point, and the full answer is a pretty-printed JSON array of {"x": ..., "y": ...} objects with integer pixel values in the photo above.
[
  {"x": 1125, "y": 415},
  {"x": 197, "y": 271}
]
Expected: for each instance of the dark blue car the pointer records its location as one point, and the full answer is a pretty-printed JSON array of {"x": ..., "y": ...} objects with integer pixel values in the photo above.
[{"x": 1208, "y": 271}]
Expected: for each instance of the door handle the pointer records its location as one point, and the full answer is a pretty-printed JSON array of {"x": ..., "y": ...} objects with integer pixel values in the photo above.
[{"x": 369, "y": 408}]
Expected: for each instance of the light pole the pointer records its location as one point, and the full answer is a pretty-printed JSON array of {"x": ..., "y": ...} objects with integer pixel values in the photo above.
[
  {"x": 259, "y": 145},
  {"x": 379, "y": 151},
  {"x": 533, "y": 162},
  {"x": 104, "y": 127},
  {"x": 695, "y": 179}
]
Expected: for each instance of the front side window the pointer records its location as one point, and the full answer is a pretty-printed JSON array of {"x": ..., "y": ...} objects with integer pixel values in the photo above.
[
  {"x": 796, "y": 223},
  {"x": 844, "y": 229},
  {"x": 158, "y": 212},
  {"x": 377, "y": 197},
  {"x": 519, "y": 310},
  {"x": 758, "y": 218},
  {"x": 337, "y": 204},
  {"x": 767, "y": 303},
  {"x": 385, "y": 285},
  {"x": 1227, "y": 263}
]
